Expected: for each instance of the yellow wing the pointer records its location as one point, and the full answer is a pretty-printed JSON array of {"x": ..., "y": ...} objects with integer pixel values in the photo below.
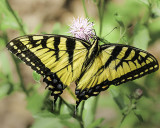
[
  {"x": 115, "y": 64},
  {"x": 58, "y": 58}
]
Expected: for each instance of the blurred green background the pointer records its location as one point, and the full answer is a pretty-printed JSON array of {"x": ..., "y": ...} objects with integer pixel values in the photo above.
[{"x": 24, "y": 102}]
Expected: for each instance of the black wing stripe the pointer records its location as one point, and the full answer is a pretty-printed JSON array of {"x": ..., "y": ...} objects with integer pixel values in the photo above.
[
  {"x": 56, "y": 43},
  {"x": 28, "y": 57},
  {"x": 135, "y": 57},
  {"x": 70, "y": 45},
  {"x": 127, "y": 53},
  {"x": 124, "y": 78},
  {"x": 113, "y": 56},
  {"x": 43, "y": 42}
]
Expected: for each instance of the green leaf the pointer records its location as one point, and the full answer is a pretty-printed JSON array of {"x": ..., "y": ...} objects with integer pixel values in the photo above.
[
  {"x": 118, "y": 98},
  {"x": 96, "y": 123},
  {"x": 4, "y": 88},
  {"x": 156, "y": 9},
  {"x": 70, "y": 124},
  {"x": 46, "y": 119},
  {"x": 2, "y": 45},
  {"x": 145, "y": 2},
  {"x": 140, "y": 118},
  {"x": 36, "y": 76},
  {"x": 5, "y": 64},
  {"x": 66, "y": 109},
  {"x": 119, "y": 20},
  {"x": 7, "y": 19},
  {"x": 35, "y": 102},
  {"x": 141, "y": 37},
  {"x": 47, "y": 123},
  {"x": 89, "y": 111},
  {"x": 44, "y": 114},
  {"x": 8, "y": 22}
]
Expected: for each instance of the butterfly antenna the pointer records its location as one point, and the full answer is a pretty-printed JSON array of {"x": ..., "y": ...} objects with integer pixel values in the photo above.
[
  {"x": 110, "y": 32},
  {"x": 95, "y": 32}
]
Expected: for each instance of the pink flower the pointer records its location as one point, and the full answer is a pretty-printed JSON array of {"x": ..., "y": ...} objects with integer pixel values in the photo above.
[{"x": 82, "y": 28}]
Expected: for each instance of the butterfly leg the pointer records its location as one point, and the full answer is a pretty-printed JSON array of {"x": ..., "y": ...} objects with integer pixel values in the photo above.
[
  {"x": 81, "y": 95},
  {"x": 76, "y": 106},
  {"x": 85, "y": 94},
  {"x": 54, "y": 102},
  {"x": 54, "y": 85}
]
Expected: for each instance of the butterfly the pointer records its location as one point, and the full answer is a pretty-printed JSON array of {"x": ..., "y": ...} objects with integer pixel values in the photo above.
[{"x": 62, "y": 60}]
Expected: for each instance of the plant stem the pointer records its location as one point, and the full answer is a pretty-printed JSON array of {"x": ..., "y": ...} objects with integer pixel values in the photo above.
[
  {"x": 81, "y": 112},
  {"x": 78, "y": 118},
  {"x": 70, "y": 92},
  {"x": 14, "y": 59},
  {"x": 16, "y": 18},
  {"x": 101, "y": 6},
  {"x": 19, "y": 75},
  {"x": 84, "y": 7},
  {"x": 69, "y": 106},
  {"x": 95, "y": 104}
]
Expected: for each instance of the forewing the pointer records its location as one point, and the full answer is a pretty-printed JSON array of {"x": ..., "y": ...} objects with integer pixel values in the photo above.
[
  {"x": 58, "y": 58},
  {"x": 115, "y": 64}
]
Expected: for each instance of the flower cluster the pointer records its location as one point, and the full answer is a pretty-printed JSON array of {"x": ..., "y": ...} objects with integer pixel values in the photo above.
[{"x": 82, "y": 28}]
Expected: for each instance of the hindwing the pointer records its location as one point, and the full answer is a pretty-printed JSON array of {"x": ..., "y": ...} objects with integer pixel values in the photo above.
[{"x": 115, "y": 64}]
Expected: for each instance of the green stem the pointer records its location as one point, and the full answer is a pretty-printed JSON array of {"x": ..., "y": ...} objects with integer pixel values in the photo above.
[
  {"x": 95, "y": 104},
  {"x": 81, "y": 114},
  {"x": 84, "y": 7},
  {"x": 70, "y": 92},
  {"x": 15, "y": 16},
  {"x": 82, "y": 108},
  {"x": 78, "y": 118},
  {"x": 69, "y": 106},
  {"x": 101, "y": 6},
  {"x": 14, "y": 59},
  {"x": 124, "y": 116},
  {"x": 146, "y": 22},
  {"x": 128, "y": 111},
  {"x": 20, "y": 75}
]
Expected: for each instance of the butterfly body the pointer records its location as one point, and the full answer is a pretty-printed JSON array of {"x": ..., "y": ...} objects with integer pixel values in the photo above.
[{"x": 62, "y": 60}]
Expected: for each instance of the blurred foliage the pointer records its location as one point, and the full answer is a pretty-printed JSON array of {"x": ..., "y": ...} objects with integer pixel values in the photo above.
[{"x": 134, "y": 22}]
